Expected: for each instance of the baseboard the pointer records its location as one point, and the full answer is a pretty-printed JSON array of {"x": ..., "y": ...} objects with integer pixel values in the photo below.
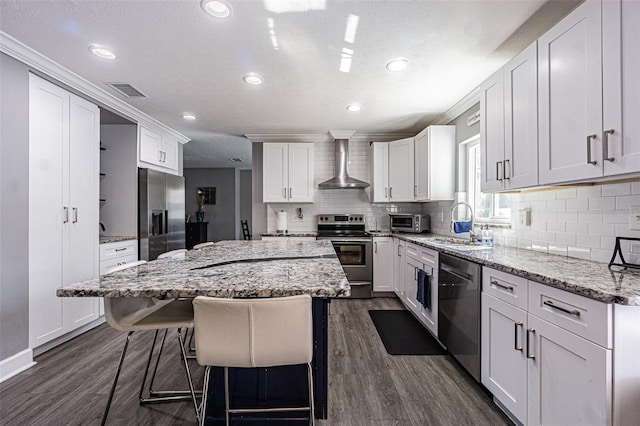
[
  {"x": 65, "y": 338},
  {"x": 15, "y": 364}
]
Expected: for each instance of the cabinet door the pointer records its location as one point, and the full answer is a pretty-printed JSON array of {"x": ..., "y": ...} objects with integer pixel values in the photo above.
[
  {"x": 401, "y": 170},
  {"x": 383, "y": 264},
  {"x": 275, "y": 166},
  {"x": 504, "y": 362},
  {"x": 492, "y": 132},
  {"x": 150, "y": 147},
  {"x": 434, "y": 163},
  {"x": 411, "y": 285},
  {"x": 570, "y": 96},
  {"x": 300, "y": 172},
  {"x": 621, "y": 68},
  {"x": 48, "y": 206},
  {"x": 429, "y": 317},
  {"x": 421, "y": 165},
  {"x": 380, "y": 172},
  {"x": 170, "y": 153},
  {"x": 521, "y": 120},
  {"x": 81, "y": 257},
  {"x": 399, "y": 267},
  {"x": 569, "y": 378}
]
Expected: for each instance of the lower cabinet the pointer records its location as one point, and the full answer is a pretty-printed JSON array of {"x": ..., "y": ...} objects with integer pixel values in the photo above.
[
  {"x": 549, "y": 361},
  {"x": 117, "y": 253},
  {"x": 420, "y": 258},
  {"x": 383, "y": 264},
  {"x": 399, "y": 248}
]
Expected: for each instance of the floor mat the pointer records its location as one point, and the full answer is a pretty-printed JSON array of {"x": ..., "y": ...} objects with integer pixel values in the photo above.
[{"x": 402, "y": 334}]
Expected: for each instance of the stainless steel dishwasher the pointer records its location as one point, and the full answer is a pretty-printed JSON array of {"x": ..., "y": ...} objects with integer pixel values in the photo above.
[{"x": 459, "y": 310}]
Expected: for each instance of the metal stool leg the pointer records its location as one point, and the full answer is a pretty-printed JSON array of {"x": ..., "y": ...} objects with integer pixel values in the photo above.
[
  {"x": 226, "y": 395},
  {"x": 115, "y": 380},
  {"x": 186, "y": 367},
  {"x": 312, "y": 411},
  {"x": 205, "y": 391}
]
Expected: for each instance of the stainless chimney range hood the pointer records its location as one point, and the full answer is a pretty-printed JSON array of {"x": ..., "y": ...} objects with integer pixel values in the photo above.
[{"x": 342, "y": 180}]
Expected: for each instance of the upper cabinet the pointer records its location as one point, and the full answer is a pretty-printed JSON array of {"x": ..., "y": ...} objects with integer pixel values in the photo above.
[
  {"x": 158, "y": 150},
  {"x": 287, "y": 173},
  {"x": 434, "y": 163},
  {"x": 401, "y": 185},
  {"x": 589, "y": 93},
  {"x": 621, "y": 86},
  {"x": 379, "y": 172},
  {"x": 509, "y": 124}
]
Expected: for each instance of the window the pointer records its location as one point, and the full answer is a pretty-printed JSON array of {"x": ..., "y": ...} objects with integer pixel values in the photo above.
[{"x": 486, "y": 207}]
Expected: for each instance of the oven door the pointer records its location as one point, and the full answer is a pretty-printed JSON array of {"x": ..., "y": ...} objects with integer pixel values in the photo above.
[{"x": 356, "y": 257}]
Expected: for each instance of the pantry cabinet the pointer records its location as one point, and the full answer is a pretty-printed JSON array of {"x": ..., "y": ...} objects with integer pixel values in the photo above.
[
  {"x": 434, "y": 163},
  {"x": 64, "y": 137},
  {"x": 383, "y": 264},
  {"x": 509, "y": 125},
  {"x": 287, "y": 173},
  {"x": 158, "y": 150}
]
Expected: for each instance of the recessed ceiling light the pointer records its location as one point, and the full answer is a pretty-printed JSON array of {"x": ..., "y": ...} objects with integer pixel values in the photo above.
[
  {"x": 217, "y": 8},
  {"x": 189, "y": 116},
  {"x": 253, "y": 79},
  {"x": 397, "y": 64},
  {"x": 102, "y": 51},
  {"x": 353, "y": 107}
]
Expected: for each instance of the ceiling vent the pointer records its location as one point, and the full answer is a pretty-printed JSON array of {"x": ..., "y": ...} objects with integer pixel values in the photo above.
[
  {"x": 127, "y": 90},
  {"x": 235, "y": 160}
]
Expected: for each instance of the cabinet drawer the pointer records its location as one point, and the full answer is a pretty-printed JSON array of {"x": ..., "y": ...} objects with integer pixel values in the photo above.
[
  {"x": 580, "y": 315},
  {"x": 429, "y": 257},
  {"x": 413, "y": 251},
  {"x": 105, "y": 265},
  {"x": 120, "y": 249},
  {"x": 506, "y": 287}
]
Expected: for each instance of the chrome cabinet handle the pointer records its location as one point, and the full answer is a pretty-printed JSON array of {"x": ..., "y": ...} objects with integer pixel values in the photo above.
[
  {"x": 415, "y": 190},
  {"x": 375, "y": 247},
  {"x": 589, "y": 139},
  {"x": 385, "y": 192},
  {"x": 605, "y": 144},
  {"x": 164, "y": 156},
  {"x": 289, "y": 192},
  {"x": 120, "y": 249},
  {"x": 506, "y": 287},
  {"x": 560, "y": 308},
  {"x": 75, "y": 215},
  {"x": 66, "y": 214},
  {"x": 504, "y": 170},
  {"x": 285, "y": 192},
  {"x": 530, "y": 331},
  {"x": 415, "y": 273},
  {"x": 515, "y": 336},
  {"x": 498, "y": 167},
  {"x": 390, "y": 189},
  {"x": 160, "y": 156},
  {"x": 399, "y": 246}
]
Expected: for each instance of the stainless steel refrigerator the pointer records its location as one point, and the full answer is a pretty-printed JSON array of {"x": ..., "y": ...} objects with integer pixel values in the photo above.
[{"x": 160, "y": 213}]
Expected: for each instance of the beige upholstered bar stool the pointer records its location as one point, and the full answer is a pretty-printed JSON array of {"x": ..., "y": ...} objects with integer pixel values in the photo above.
[
  {"x": 131, "y": 314},
  {"x": 203, "y": 245},
  {"x": 251, "y": 333}
]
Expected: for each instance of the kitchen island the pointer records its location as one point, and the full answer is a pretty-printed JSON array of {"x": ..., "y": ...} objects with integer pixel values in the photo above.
[{"x": 242, "y": 269}]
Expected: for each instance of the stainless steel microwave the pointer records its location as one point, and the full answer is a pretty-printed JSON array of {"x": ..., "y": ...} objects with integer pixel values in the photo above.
[{"x": 415, "y": 223}]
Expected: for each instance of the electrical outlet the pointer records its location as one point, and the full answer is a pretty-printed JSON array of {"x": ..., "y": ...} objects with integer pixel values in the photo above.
[
  {"x": 634, "y": 218},
  {"x": 524, "y": 217}
]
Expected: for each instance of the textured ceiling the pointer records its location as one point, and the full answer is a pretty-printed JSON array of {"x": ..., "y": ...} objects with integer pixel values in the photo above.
[{"x": 186, "y": 61}]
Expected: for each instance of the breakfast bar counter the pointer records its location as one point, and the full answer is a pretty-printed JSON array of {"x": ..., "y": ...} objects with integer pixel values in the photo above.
[{"x": 243, "y": 269}]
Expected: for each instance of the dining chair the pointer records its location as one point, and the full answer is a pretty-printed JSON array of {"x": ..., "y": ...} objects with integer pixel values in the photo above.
[
  {"x": 203, "y": 245},
  {"x": 173, "y": 254},
  {"x": 131, "y": 314},
  {"x": 250, "y": 333}
]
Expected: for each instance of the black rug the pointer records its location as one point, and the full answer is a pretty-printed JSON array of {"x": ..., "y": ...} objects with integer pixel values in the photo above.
[{"x": 402, "y": 334}]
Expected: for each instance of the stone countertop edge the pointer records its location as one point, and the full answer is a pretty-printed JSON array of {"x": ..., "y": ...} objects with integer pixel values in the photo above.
[
  {"x": 588, "y": 278},
  {"x": 291, "y": 234},
  {"x": 107, "y": 240}
]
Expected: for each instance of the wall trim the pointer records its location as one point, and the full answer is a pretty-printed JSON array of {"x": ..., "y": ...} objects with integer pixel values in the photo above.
[
  {"x": 461, "y": 106},
  {"x": 36, "y": 60},
  {"x": 15, "y": 364},
  {"x": 322, "y": 137}
]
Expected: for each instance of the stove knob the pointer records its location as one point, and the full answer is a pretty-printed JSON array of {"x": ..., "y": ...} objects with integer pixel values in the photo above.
[{"x": 350, "y": 219}]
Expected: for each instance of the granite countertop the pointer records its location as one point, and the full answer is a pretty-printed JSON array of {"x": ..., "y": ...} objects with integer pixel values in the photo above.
[
  {"x": 291, "y": 234},
  {"x": 106, "y": 240},
  {"x": 229, "y": 269},
  {"x": 585, "y": 277}
]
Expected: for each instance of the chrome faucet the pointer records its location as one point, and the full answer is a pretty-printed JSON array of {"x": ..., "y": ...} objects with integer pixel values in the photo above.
[{"x": 472, "y": 235}]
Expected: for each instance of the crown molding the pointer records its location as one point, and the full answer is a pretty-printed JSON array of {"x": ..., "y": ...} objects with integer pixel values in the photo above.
[
  {"x": 38, "y": 62},
  {"x": 461, "y": 106},
  {"x": 322, "y": 137}
]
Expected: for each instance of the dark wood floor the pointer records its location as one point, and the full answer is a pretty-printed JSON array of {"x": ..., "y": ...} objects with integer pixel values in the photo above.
[{"x": 367, "y": 386}]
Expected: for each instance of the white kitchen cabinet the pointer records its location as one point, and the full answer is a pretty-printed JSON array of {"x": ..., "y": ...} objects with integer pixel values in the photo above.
[
  {"x": 117, "y": 253},
  {"x": 383, "y": 250},
  {"x": 509, "y": 124},
  {"x": 401, "y": 173},
  {"x": 64, "y": 137},
  {"x": 504, "y": 362},
  {"x": 287, "y": 173},
  {"x": 379, "y": 153},
  {"x": 158, "y": 150},
  {"x": 399, "y": 267},
  {"x": 621, "y": 100},
  {"x": 421, "y": 258},
  {"x": 411, "y": 285},
  {"x": 434, "y": 163}
]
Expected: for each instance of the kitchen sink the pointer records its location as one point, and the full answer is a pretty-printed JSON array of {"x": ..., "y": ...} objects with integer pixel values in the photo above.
[{"x": 458, "y": 244}]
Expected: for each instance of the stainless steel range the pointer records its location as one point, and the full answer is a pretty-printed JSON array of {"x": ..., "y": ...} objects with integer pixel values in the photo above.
[{"x": 354, "y": 248}]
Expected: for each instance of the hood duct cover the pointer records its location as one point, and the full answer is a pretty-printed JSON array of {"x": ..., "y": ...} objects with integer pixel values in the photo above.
[{"x": 342, "y": 179}]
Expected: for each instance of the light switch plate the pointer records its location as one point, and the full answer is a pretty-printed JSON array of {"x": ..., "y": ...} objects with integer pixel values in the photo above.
[
  {"x": 524, "y": 217},
  {"x": 634, "y": 218}
]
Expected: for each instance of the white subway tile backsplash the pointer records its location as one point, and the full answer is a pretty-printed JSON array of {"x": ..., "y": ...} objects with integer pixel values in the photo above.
[
  {"x": 578, "y": 204},
  {"x": 577, "y": 228},
  {"x": 568, "y": 216},
  {"x": 590, "y": 216},
  {"x": 563, "y": 194},
  {"x": 556, "y": 226},
  {"x": 540, "y": 246},
  {"x": 557, "y": 205},
  {"x": 625, "y": 202},
  {"x": 579, "y": 252},
  {"x": 600, "y": 255},
  {"x": 589, "y": 191},
  {"x": 616, "y": 189},
  {"x": 558, "y": 249},
  {"x": 635, "y": 187},
  {"x": 566, "y": 238},
  {"x": 608, "y": 243},
  {"x": 602, "y": 203},
  {"x": 616, "y": 216},
  {"x": 605, "y": 229},
  {"x": 590, "y": 241}
]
